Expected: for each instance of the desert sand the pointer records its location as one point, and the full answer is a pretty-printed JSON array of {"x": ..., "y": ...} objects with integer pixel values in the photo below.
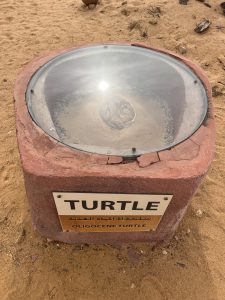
[{"x": 192, "y": 265}]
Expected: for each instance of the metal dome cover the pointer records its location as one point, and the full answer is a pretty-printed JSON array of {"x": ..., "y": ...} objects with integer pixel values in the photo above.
[{"x": 117, "y": 100}]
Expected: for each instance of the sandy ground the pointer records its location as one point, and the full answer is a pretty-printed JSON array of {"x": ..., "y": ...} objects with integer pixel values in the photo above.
[{"x": 192, "y": 266}]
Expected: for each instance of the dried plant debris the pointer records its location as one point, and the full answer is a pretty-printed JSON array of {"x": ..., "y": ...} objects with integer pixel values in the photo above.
[
  {"x": 155, "y": 11},
  {"x": 144, "y": 33},
  {"x": 183, "y": 2},
  {"x": 202, "y": 26},
  {"x": 134, "y": 25},
  {"x": 137, "y": 26}
]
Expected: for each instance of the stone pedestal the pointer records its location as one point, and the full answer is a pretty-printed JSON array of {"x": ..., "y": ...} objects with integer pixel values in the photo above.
[{"x": 49, "y": 166}]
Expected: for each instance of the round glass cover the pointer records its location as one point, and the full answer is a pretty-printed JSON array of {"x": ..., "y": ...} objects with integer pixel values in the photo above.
[{"x": 117, "y": 100}]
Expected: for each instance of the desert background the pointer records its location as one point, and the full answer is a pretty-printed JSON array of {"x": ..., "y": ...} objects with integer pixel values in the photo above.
[{"x": 192, "y": 265}]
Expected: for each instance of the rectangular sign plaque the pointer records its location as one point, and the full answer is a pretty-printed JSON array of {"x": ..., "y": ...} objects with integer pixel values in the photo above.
[{"x": 99, "y": 212}]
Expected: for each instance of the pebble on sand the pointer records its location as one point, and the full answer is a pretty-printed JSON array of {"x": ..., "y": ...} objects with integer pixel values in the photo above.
[
  {"x": 176, "y": 238},
  {"x": 199, "y": 213},
  {"x": 90, "y": 2},
  {"x": 202, "y": 26},
  {"x": 182, "y": 48}
]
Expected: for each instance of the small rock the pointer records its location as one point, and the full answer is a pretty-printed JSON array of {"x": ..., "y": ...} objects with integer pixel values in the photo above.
[
  {"x": 77, "y": 247},
  {"x": 91, "y": 6},
  {"x": 57, "y": 245},
  {"x": 146, "y": 160},
  {"x": 183, "y": 2},
  {"x": 182, "y": 265},
  {"x": 199, "y": 213},
  {"x": 223, "y": 7},
  {"x": 164, "y": 252},
  {"x": 124, "y": 3},
  {"x": 49, "y": 240},
  {"x": 188, "y": 231},
  {"x": 206, "y": 3},
  {"x": 182, "y": 48},
  {"x": 176, "y": 238},
  {"x": 113, "y": 160},
  {"x": 90, "y": 2},
  {"x": 132, "y": 286},
  {"x": 202, "y": 26}
]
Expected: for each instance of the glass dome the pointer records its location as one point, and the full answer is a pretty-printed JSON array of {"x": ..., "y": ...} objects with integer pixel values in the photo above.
[{"x": 117, "y": 100}]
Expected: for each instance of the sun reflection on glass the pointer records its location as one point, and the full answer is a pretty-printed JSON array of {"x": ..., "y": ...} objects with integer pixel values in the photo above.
[{"x": 103, "y": 85}]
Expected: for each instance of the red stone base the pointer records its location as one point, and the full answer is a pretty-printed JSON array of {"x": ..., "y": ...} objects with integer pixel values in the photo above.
[{"x": 49, "y": 167}]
